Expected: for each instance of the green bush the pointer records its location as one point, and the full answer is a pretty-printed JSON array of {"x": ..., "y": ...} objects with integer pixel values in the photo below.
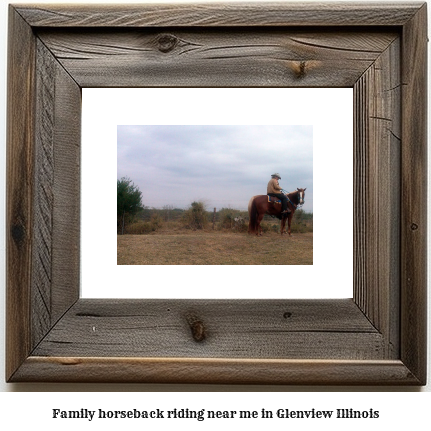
[
  {"x": 266, "y": 227},
  {"x": 138, "y": 228},
  {"x": 275, "y": 227},
  {"x": 302, "y": 222},
  {"x": 144, "y": 227},
  {"x": 226, "y": 220},
  {"x": 156, "y": 222},
  {"x": 196, "y": 216}
]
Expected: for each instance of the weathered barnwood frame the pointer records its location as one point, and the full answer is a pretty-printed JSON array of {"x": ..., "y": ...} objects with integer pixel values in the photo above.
[{"x": 378, "y": 337}]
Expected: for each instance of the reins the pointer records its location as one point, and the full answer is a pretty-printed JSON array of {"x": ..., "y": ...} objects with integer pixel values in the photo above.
[{"x": 296, "y": 206}]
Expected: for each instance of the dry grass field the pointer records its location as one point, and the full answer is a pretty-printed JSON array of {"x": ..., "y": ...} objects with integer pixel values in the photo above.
[{"x": 208, "y": 247}]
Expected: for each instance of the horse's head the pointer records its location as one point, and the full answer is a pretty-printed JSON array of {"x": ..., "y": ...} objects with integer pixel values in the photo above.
[{"x": 301, "y": 196}]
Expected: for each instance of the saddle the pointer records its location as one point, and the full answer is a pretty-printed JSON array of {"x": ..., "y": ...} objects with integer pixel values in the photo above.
[{"x": 274, "y": 200}]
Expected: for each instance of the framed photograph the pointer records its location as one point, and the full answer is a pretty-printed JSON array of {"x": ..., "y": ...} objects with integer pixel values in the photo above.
[{"x": 377, "y": 337}]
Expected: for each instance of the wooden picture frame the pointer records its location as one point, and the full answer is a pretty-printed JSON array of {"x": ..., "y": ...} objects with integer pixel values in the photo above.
[{"x": 376, "y": 338}]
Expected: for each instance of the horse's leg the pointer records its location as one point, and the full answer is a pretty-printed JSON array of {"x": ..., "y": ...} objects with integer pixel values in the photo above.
[
  {"x": 283, "y": 225},
  {"x": 257, "y": 224},
  {"x": 259, "y": 227},
  {"x": 288, "y": 225}
]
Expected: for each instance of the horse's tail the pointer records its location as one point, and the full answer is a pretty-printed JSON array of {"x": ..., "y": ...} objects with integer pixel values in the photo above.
[{"x": 252, "y": 213}]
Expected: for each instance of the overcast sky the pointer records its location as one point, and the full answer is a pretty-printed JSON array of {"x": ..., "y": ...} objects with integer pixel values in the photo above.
[{"x": 223, "y": 166}]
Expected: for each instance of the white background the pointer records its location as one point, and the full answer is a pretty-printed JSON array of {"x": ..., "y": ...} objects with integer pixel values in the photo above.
[
  {"x": 330, "y": 111},
  {"x": 401, "y": 409}
]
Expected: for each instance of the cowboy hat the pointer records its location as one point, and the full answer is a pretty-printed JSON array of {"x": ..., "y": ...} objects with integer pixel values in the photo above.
[{"x": 276, "y": 175}]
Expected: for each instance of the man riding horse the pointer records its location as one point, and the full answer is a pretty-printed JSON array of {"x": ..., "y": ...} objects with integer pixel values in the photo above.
[{"x": 274, "y": 189}]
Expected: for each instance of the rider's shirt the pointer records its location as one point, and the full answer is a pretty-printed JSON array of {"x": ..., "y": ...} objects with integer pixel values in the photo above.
[{"x": 273, "y": 186}]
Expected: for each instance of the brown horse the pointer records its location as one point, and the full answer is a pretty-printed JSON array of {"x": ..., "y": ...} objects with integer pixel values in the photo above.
[{"x": 259, "y": 206}]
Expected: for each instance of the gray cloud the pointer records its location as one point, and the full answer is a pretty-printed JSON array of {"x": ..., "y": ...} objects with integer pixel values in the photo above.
[{"x": 222, "y": 165}]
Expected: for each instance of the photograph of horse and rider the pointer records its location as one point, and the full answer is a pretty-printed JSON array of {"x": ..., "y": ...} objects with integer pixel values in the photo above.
[
  {"x": 213, "y": 195},
  {"x": 277, "y": 202}
]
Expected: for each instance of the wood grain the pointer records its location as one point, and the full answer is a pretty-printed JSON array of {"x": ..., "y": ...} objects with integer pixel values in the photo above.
[
  {"x": 221, "y": 15},
  {"x": 55, "y": 279},
  {"x": 44, "y": 195},
  {"x": 379, "y": 337},
  {"x": 234, "y": 329},
  {"x": 215, "y": 371},
  {"x": 210, "y": 57},
  {"x": 19, "y": 199},
  {"x": 413, "y": 193},
  {"x": 377, "y": 148},
  {"x": 66, "y": 189}
]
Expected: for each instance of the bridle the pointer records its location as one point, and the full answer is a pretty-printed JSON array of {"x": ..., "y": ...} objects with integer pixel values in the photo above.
[{"x": 300, "y": 198}]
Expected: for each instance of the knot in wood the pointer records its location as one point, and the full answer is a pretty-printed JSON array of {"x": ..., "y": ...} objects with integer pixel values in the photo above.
[
  {"x": 197, "y": 328},
  {"x": 18, "y": 233},
  {"x": 167, "y": 42},
  {"x": 300, "y": 69},
  {"x": 414, "y": 226}
]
